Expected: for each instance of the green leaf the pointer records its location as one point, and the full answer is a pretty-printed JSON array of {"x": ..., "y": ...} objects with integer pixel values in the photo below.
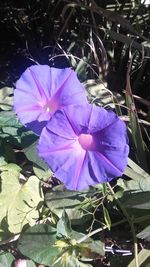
[
  {"x": 88, "y": 249},
  {"x": 137, "y": 200},
  {"x": 9, "y": 119},
  {"x": 99, "y": 94},
  {"x": 81, "y": 69},
  {"x": 38, "y": 244},
  {"x": 71, "y": 261},
  {"x": 42, "y": 174},
  {"x": 60, "y": 198},
  {"x": 133, "y": 174},
  {"x": 136, "y": 195},
  {"x": 11, "y": 135},
  {"x": 7, "y": 153},
  {"x": 6, "y": 98},
  {"x": 10, "y": 127},
  {"x": 6, "y": 259},
  {"x": 11, "y": 167},
  {"x": 81, "y": 264},
  {"x": 141, "y": 185},
  {"x": 64, "y": 225},
  {"x": 137, "y": 138},
  {"x": 28, "y": 138},
  {"x": 3, "y": 161},
  {"x": 31, "y": 154},
  {"x": 30, "y": 263},
  {"x": 145, "y": 234},
  {"x": 137, "y": 168},
  {"x": 19, "y": 201},
  {"x": 92, "y": 249},
  {"x": 4, "y": 232},
  {"x": 107, "y": 217}
]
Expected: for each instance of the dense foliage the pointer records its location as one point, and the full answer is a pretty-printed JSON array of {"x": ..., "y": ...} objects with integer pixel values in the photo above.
[{"x": 107, "y": 44}]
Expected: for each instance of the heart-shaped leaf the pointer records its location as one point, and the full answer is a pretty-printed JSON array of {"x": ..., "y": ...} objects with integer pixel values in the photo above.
[
  {"x": 19, "y": 201},
  {"x": 6, "y": 259},
  {"x": 38, "y": 244}
]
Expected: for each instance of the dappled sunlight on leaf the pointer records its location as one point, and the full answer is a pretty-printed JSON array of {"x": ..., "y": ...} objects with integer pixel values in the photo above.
[{"x": 19, "y": 201}]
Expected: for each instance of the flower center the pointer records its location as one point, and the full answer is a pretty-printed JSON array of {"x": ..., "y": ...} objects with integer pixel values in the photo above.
[
  {"x": 87, "y": 141},
  {"x": 51, "y": 106},
  {"x": 47, "y": 108}
]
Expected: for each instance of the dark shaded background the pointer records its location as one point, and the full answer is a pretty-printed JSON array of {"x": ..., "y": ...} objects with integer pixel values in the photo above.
[{"x": 32, "y": 30}]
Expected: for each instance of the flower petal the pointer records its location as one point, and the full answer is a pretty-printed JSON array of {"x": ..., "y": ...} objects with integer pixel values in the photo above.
[
  {"x": 21, "y": 263},
  {"x": 61, "y": 153},
  {"x": 42, "y": 90},
  {"x": 69, "y": 90},
  {"x": 60, "y": 126},
  {"x": 66, "y": 159},
  {"x": 82, "y": 177},
  {"x": 89, "y": 118},
  {"x": 84, "y": 147},
  {"x": 114, "y": 144},
  {"x": 32, "y": 90}
]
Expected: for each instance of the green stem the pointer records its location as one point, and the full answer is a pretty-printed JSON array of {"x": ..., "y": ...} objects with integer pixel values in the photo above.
[
  {"x": 135, "y": 220},
  {"x": 82, "y": 239},
  {"x": 131, "y": 223}
]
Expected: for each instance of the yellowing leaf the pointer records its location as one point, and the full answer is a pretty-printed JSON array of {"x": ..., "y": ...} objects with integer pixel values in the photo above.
[{"x": 19, "y": 201}]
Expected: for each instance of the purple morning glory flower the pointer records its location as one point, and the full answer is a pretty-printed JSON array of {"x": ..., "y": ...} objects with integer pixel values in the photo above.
[
  {"x": 84, "y": 145},
  {"x": 42, "y": 90}
]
